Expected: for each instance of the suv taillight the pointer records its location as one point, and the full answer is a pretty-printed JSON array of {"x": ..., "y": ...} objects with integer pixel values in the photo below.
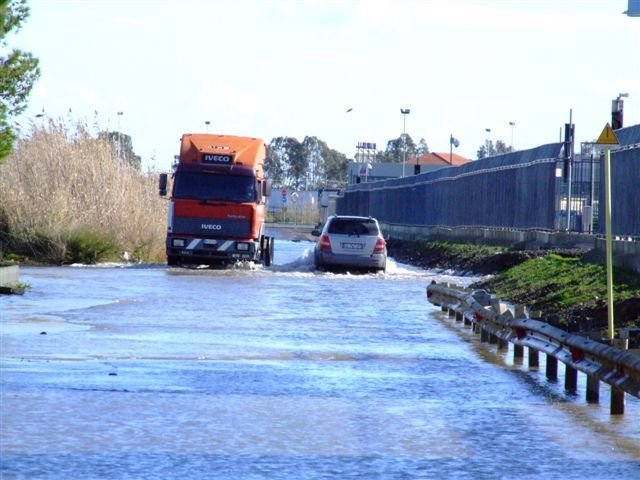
[
  {"x": 325, "y": 244},
  {"x": 379, "y": 248}
]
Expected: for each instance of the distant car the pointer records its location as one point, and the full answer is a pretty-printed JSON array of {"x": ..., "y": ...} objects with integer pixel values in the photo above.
[{"x": 351, "y": 242}]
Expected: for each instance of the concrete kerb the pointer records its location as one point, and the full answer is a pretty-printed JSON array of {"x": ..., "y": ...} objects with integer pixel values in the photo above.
[{"x": 10, "y": 279}]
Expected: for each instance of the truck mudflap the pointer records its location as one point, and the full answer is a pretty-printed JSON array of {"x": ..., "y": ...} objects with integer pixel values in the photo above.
[{"x": 266, "y": 250}]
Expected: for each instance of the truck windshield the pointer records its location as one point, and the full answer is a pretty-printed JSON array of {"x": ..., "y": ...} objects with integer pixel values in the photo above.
[{"x": 208, "y": 186}]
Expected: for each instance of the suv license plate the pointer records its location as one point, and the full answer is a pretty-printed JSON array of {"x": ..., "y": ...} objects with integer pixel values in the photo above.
[{"x": 352, "y": 246}]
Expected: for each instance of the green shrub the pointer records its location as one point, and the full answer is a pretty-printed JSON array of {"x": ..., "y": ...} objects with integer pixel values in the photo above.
[{"x": 85, "y": 246}]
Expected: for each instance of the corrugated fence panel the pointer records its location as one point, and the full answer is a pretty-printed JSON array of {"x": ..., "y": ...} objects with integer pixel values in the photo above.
[
  {"x": 625, "y": 193},
  {"x": 513, "y": 190}
]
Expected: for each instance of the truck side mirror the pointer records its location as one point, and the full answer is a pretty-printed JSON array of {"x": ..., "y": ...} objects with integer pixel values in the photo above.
[
  {"x": 267, "y": 187},
  {"x": 162, "y": 184}
]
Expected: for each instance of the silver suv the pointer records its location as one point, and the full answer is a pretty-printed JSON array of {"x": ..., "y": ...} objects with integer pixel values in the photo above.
[{"x": 351, "y": 242}]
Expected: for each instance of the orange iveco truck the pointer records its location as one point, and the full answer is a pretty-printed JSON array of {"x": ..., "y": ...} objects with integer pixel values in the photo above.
[{"x": 217, "y": 207}]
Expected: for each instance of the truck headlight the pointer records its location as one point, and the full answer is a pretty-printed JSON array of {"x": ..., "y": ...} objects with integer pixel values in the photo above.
[{"x": 178, "y": 242}]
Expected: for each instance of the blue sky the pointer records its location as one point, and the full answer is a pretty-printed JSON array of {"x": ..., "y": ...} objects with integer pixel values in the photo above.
[{"x": 276, "y": 68}]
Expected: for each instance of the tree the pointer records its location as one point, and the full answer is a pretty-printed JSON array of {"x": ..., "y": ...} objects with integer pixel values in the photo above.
[
  {"x": 273, "y": 163},
  {"x": 124, "y": 146},
  {"x": 18, "y": 73},
  {"x": 395, "y": 152},
  {"x": 316, "y": 152},
  {"x": 498, "y": 149},
  {"x": 335, "y": 169},
  {"x": 285, "y": 163},
  {"x": 422, "y": 148}
]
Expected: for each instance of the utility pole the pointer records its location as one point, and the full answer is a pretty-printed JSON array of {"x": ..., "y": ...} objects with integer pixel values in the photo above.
[{"x": 569, "y": 134}]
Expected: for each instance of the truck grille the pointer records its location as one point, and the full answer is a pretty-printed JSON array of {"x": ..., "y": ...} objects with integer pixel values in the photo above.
[{"x": 211, "y": 227}]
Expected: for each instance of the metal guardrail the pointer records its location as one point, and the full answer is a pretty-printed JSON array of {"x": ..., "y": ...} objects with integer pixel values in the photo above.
[{"x": 497, "y": 324}]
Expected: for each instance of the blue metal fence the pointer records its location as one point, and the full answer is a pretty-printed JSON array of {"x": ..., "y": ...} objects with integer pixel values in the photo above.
[
  {"x": 625, "y": 193},
  {"x": 516, "y": 190}
]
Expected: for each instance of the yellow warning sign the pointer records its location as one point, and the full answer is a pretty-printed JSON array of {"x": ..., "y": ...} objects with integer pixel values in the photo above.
[{"x": 607, "y": 137}]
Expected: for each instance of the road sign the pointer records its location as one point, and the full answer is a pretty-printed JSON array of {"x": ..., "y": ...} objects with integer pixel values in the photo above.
[
  {"x": 284, "y": 192},
  {"x": 607, "y": 137}
]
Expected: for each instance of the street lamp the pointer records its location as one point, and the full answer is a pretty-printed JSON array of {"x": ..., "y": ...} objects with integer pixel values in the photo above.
[
  {"x": 488, "y": 130},
  {"x": 404, "y": 112},
  {"x": 207, "y": 123},
  {"x": 512, "y": 124}
]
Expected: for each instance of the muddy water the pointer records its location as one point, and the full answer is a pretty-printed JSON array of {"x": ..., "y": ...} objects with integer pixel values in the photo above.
[{"x": 146, "y": 372}]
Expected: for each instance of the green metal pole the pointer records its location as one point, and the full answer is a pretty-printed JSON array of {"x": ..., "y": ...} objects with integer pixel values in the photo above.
[{"x": 607, "y": 220}]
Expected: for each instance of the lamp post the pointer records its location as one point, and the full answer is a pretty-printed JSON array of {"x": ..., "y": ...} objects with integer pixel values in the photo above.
[
  {"x": 207, "y": 123},
  {"x": 488, "y": 130},
  {"x": 404, "y": 112},
  {"x": 512, "y": 124},
  {"x": 119, "y": 137}
]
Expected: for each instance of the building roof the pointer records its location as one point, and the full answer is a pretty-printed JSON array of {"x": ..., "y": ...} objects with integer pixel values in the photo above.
[{"x": 439, "y": 158}]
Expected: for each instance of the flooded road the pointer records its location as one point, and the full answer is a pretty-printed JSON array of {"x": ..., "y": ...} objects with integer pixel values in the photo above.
[{"x": 280, "y": 373}]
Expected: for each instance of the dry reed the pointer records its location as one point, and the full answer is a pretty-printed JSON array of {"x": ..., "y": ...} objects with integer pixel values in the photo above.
[{"x": 60, "y": 182}]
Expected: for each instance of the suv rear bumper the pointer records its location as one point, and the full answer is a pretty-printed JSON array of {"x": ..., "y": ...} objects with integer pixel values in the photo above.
[{"x": 377, "y": 260}]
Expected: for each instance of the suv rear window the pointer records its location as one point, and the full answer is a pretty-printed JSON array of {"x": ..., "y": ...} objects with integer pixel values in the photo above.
[{"x": 343, "y": 226}]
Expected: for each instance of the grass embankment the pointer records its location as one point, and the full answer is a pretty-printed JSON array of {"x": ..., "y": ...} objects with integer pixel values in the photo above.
[
  {"x": 570, "y": 292},
  {"x": 66, "y": 197}
]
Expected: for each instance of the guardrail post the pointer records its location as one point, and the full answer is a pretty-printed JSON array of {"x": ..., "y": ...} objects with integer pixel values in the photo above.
[
  {"x": 534, "y": 358},
  {"x": 500, "y": 308},
  {"x": 593, "y": 389},
  {"x": 534, "y": 355},
  {"x": 570, "y": 379},
  {"x": 467, "y": 322},
  {"x": 617, "y": 395},
  {"x": 552, "y": 368},
  {"x": 452, "y": 312},
  {"x": 484, "y": 335},
  {"x": 518, "y": 350},
  {"x": 458, "y": 317},
  {"x": 617, "y": 401}
]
